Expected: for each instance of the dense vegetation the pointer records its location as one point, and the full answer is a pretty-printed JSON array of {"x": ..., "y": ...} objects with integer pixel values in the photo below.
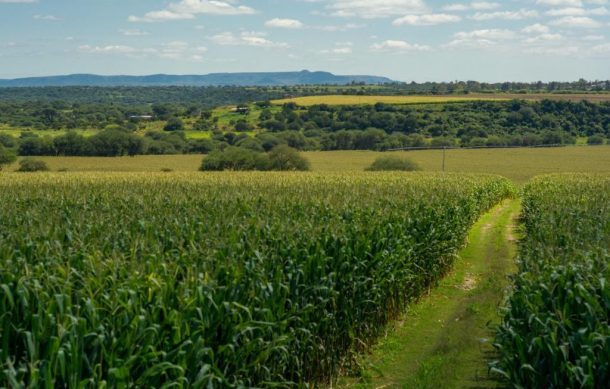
[
  {"x": 214, "y": 96},
  {"x": 210, "y": 280},
  {"x": 556, "y": 332},
  {"x": 319, "y": 127}
]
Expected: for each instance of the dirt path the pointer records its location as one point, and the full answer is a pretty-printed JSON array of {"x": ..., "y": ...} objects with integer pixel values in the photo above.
[{"x": 444, "y": 340}]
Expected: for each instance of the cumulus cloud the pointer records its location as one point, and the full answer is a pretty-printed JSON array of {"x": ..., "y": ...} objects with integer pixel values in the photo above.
[
  {"x": 176, "y": 50},
  {"x": 507, "y": 15},
  {"x": 398, "y": 45},
  {"x": 576, "y": 21},
  {"x": 245, "y": 39},
  {"x": 536, "y": 29},
  {"x": 284, "y": 23},
  {"x": 426, "y": 19},
  {"x": 188, "y": 9},
  {"x": 475, "y": 5},
  {"x": 577, "y": 11},
  {"x": 370, "y": 9},
  {"x": 480, "y": 38}
]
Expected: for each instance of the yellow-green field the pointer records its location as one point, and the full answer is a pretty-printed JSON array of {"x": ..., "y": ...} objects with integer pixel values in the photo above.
[
  {"x": 368, "y": 100},
  {"x": 422, "y": 99},
  {"x": 516, "y": 164}
]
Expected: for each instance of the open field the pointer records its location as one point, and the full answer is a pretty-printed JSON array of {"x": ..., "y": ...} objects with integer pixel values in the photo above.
[
  {"x": 217, "y": 280},
  {"x": 368, "y": 100},
  {"x": 432, "y": 99},
  {"x": 517, "y": 164}
]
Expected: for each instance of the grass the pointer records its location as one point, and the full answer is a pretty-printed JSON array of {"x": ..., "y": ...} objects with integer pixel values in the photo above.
[
  {"x": 517, "y": 164},
  {"x": 443, "y": 341}
]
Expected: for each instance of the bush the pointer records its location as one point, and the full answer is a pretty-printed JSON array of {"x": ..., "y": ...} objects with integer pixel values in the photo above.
[
  {"x": 32, "y": 165},
  {"x": 595, "y": 140},
  {"x": 284, "y": 158},
  {"x": 391, "y": 162},
  {"x": 6, "y": 156},
  {"x": 235, "y": 158}
]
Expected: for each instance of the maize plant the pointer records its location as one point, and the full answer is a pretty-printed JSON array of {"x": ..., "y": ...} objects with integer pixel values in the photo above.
[
  {"x": 219, "y": 279},
  {"x": 556, "y": 327}
]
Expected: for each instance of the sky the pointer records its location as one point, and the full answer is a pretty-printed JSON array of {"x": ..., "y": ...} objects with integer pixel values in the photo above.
[{"x": 406, "y": 40}]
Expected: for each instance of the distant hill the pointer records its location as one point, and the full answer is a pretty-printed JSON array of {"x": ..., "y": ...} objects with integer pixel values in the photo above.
[{"x": 304, "y": 77}]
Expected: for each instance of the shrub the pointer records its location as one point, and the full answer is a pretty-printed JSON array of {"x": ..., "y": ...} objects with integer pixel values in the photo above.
[
  {"x": 235, "y": 158},
  {"x": 6, "y": 156},
  {"x": 595, "y": 140},
  {"x": 32, "y": 165},
  {"x": 285, "y": 158},
  {"x": 391, "y": 162}
]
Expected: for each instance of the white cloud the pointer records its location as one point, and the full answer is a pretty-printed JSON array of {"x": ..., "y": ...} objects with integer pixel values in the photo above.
[
  {"x": 370, "y": 9},
  {"x": 480, "y": 38},
  {"x": 560, "y": 3},
  {"x": 543, "y": 38},
  {"x": 342, "y": 48},
  {"x": 338, "y": 27},
  {"x": 46, "y": 17},
  {"x": 245, "y": 39},
  {"x": 576, "y": 21},
  {"x": 133, "y": 32},
  {"x": 397, "y": 45},
  {"x": 426, "y": 19},
  {"x": 507, "y": 15},
  {"x": 176, "y": 50},
  {"x": 188, "y": 9},
  {"x": 284, "y": 23},
  {"x": 536, "y": 29},
  {"x": 560, "y": 51},
  {"x": 577, "y": 11},
  {"x": 601, "y": 49},
  {"x": 475, "y": 5}
]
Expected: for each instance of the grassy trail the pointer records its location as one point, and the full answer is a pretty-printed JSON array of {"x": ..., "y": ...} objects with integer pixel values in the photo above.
[{"x": 444, "y": 340}]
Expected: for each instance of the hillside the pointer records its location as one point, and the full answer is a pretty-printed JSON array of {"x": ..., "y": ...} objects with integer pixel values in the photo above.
[{"x": 304, "y": 77}]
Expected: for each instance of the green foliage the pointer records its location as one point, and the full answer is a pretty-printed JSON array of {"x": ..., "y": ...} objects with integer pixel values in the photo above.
[
  {"x": 555, "y": 330},
  {"x": 595, "y": 140},
  {"x": 7, "y": 156},
  {"x": 28, "y": 165},
  {"x": 391, "y": 162},
  {"x": 217, "y": 280},
  {"x": 235, "y": 158},
  {"x": 174, "y": 124},
  {"x": 285, "y": 158}
]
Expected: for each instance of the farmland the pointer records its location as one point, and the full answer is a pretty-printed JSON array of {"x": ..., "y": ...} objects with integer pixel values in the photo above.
[
  {"x": 555, "y": 328},
  {"x": 307, "y": 101},
  {"x": 517, "y": 164},
  {"x": 137, "y": 279}
]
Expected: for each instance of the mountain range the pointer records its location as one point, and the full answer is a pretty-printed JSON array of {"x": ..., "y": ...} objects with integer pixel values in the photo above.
[{"x": 304, "y": 77}]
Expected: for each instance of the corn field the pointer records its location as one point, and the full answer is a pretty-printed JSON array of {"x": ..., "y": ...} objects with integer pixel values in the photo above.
[
  {"x": 556, "y": 328},
  {"x": 220, "y": 280}
]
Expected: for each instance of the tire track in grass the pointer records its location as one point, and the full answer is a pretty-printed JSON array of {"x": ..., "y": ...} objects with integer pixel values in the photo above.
[{"x": 444, "y": 340}]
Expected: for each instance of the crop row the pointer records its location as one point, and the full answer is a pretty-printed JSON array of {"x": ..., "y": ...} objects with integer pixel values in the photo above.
[
  {"x": 216, "y": 280},
  {"x": 556, "y": 328}
]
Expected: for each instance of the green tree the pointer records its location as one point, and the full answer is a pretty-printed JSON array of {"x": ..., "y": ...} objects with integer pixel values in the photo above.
[{"x": 286, "y": 158}]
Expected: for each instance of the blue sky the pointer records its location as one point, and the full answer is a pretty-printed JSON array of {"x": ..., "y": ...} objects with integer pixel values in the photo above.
[{"x": 408, "y": 40}]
